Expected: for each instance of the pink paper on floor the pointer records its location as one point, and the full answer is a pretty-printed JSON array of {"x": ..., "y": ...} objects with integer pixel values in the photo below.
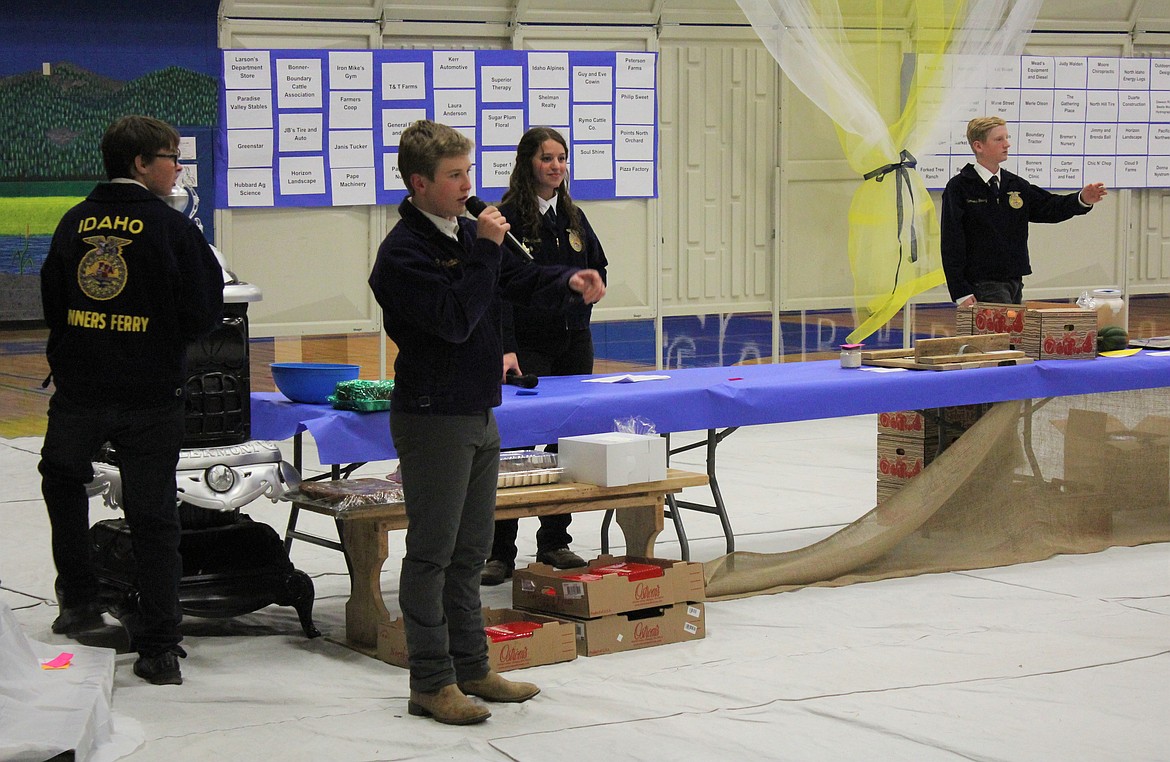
[{"x": 60, "y": 661}]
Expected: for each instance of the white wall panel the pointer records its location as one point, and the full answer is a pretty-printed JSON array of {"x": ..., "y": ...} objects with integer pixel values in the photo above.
[
  {"x": 417, "y": 35},
  {"x": 353, "y": 10},
  {"x": 1091, "y": 15},
  {"x": 708, "y": 12},
  {"x": 311, "y": 264},
  {"x": 719, "y": 123},
  {"x": 625, "y": 12},
  {"x": 1149, "y": 239},
  {"x": 1064, "y": 15},
  {"x": 497, "y": 11},
  {"x": 250, "y": 33}
]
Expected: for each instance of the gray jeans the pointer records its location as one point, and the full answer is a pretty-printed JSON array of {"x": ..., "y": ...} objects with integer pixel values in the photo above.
[
  {"x": 450, "y": 464},
  {"x": 1010, "y": 291}
]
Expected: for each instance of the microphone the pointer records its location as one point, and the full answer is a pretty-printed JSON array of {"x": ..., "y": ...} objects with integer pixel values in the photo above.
[
  {"x": 525, "y": 381},
  {"x": 475, "y": 206}
]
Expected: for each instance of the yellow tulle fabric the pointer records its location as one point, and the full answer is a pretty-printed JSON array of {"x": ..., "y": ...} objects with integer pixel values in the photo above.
[{"x": 893, "y": 224}]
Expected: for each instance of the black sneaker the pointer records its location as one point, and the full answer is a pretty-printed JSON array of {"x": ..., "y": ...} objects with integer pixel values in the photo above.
[
  {"x": 560, "y": 558},
  {"x": 161, "y": 668},
  {"x": 75, "y": 619},
  {"x": 495, "y": 572}
]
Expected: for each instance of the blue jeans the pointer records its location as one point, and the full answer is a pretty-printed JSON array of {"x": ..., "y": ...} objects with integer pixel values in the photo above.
[
  {"x": 147, "y": 440},
  {"x": 450, "y": 464}
]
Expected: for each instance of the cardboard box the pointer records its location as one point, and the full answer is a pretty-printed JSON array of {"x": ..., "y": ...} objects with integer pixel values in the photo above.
[
  {"x": 990, "y": 317},
  {"x": 613, "y": 459},
  {"x": 570, "y": 592},
  {"x": 1060, "y": 334},
  {"x": 1102, "y": 453},
  {"x": 554, "y": 641},
  {"x": 900, "y": 459},
  {"x": 887, "y": 489},
  {"x": 923, "y": 424},
  {"x": 640, "y": 629}
]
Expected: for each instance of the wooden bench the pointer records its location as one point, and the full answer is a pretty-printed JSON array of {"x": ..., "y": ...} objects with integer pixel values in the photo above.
[{"x": 639, "y": 511}]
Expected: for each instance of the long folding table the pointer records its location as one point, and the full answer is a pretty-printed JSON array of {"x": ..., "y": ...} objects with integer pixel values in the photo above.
[{"x": 715, "y": 400}]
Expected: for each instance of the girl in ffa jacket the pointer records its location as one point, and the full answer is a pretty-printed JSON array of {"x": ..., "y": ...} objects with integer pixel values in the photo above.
[{"x": 539, "y": 341}]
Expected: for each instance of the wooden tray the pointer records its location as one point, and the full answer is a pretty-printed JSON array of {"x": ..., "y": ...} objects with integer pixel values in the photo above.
[{"x": 989, "y": 350}]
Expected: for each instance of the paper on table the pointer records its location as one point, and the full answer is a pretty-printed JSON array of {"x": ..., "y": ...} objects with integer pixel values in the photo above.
[
  {"x": 877, "y": 369},
  {"x": 626, "y": 379},
  {"x": 1120, "y": 353}
]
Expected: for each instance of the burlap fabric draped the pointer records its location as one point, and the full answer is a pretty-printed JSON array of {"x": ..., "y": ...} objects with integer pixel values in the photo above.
[{"x": 1030, "y": 480}]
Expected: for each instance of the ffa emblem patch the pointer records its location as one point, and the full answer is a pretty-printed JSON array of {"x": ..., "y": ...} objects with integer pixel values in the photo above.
[
  {"x": 102, "y": 272},
  {"x": 575, "y": 240},
  {"x": 1014, "y": 200}
]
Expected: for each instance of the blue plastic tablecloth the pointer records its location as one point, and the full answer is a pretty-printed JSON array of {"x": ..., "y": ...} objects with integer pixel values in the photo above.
[{"x": 705, "y": 398}]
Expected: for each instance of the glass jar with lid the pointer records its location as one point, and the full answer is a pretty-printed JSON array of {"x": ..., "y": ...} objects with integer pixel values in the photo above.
[{"x": 1111, "y": 308}]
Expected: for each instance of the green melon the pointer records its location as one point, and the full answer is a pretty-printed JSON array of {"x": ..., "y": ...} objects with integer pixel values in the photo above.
[{"x": 1111, "y": 338}]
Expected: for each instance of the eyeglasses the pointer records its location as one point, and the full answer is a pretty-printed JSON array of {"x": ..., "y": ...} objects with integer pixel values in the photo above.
[{"x": 172, "y": 156}]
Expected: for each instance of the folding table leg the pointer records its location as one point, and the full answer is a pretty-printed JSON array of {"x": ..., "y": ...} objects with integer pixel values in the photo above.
[
  {"x": 676, "y": 519},
  {"x": 719, "y": 508}
]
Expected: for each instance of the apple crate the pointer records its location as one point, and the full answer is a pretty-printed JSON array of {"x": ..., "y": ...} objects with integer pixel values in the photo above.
[
  {"x": 992, "y": 317},
  {"x": 900, "y": 459},
  {"x": 1060, "y": 334},
  {"x": 923, "y": 424},
  {"x": 887, "y": 489}
]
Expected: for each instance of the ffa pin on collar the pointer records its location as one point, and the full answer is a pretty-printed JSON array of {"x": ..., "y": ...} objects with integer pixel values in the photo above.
[
  {"x": 1014, "y": 200},
  {"x": 575, "y": 240}
]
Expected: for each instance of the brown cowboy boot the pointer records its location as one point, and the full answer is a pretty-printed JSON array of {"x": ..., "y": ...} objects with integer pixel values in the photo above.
[
  {"x": 447, "y": 705},
  {"x": 492, "y": 687}
]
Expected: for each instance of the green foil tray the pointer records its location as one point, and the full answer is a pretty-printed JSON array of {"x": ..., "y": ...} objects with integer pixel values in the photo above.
[{"x": 362, "y": 396}]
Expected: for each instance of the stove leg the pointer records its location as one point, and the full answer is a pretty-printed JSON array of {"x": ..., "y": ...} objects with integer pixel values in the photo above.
[{"x": 300, "y": 587}]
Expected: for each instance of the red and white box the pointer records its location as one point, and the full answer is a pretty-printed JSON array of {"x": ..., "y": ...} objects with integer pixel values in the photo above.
[
  {"x": 609, "y": 585},
  {"x": 677, "y": 623},
  {"x": 516, "y": 639},
  {"x": 924, "y": 424},
  {"x": 992, "y": 317}
]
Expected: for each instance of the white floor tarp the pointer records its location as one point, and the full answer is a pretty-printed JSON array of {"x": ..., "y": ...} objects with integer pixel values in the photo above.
[{"x": 1062, "y": 659}]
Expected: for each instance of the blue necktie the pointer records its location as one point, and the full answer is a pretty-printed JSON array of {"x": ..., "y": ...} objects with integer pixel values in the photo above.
[{"x": 994, "y": 183}]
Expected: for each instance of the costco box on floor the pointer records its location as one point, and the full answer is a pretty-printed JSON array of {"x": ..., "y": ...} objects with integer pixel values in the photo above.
[
  {"x": 1101, "y": 450},
  {"x": 613, "y": 459},
  {"x": 511, "y": 643},
  {"x": 581, "y": 593},
  {"x": 640, "y": 629}
]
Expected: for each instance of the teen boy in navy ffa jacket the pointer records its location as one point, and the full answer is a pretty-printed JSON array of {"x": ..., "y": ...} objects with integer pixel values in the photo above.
[
  {"x": 435, "y": 277},
  {"x": 127, "y": 284},
  {"x": 986, "y": 211}
]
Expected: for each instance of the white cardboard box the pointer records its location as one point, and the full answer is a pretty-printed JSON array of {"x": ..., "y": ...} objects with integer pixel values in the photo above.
[{"x": 612, "y": 459}]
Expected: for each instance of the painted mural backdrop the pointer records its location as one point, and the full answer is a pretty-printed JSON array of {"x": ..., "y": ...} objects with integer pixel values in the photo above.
[{"x": 71, "y": 69}]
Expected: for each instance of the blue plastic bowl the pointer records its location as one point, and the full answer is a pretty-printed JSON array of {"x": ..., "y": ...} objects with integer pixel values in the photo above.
[{"x": 310, "y": 382}]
